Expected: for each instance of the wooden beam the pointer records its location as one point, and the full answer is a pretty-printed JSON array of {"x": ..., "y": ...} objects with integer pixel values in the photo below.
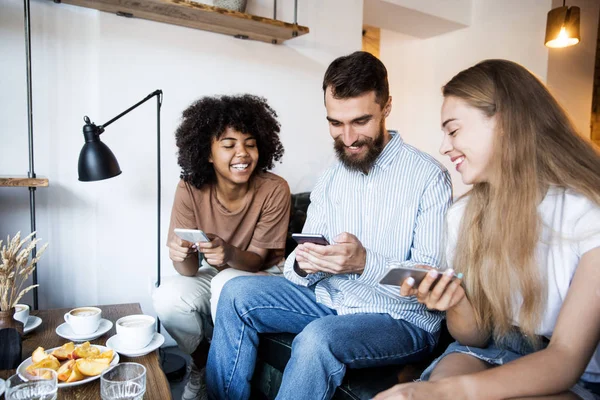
[
  {"x": 371, "y": 39},
  {"x": 200, "y": 16},
  {"x": 23, "y": 182}
]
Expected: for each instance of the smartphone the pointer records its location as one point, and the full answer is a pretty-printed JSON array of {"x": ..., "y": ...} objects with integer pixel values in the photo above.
[
  {"x": 191, "y": 235},
  {"x": 396, "y": 275},
  {"x": 316, "y": 238}
]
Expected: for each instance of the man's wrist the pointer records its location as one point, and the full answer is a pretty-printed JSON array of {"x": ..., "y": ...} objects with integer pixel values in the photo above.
[
  {"x": 299, "y": 271},
  {"x": 363, "y": 260}
]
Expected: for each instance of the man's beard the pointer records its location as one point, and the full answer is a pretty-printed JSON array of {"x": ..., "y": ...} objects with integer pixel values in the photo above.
[{"x": 356, "y": 162}]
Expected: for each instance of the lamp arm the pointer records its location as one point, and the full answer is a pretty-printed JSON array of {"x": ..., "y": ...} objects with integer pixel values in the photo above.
[{"x": 155, "y": 93}]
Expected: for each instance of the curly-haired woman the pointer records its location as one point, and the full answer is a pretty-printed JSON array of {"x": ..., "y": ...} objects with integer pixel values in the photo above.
[{"x": 226, "y": 146}]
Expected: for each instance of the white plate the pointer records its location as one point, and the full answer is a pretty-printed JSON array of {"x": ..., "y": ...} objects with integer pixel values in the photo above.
[
  {"x": 155, "y": 343},
  {"x": 65, "y": 331},
  {"x": 21, "y": 369},
  {"x": 32, "y": 323},
  {"x": 2, "y": 386}
]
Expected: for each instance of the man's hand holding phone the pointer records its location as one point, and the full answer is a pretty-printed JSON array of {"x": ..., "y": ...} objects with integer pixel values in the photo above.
[
  {"x": 347, "y": 255},
  {"x": 441, "y": 296}
]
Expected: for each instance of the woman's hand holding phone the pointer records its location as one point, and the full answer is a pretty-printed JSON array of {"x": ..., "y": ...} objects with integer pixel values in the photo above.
[
  {"x": 217, "y": 252},
  {"x": 180, "y": 250},
  {"x": 445, "y": 294}
]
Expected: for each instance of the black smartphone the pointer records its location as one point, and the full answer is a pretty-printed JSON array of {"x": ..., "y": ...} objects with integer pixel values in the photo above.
[
  {"x": 396, "y": 275},
  {"x": 316, "y": 238}
]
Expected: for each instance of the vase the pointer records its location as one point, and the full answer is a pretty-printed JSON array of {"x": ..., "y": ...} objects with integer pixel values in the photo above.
[
  {"x": 10, "y": 340},
  {"x": 235, "y": 5},
  {"x": 7, "y": 320}
]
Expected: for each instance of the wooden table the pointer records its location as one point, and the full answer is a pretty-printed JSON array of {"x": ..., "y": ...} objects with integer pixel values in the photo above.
[{"x": 157, "y": 386}]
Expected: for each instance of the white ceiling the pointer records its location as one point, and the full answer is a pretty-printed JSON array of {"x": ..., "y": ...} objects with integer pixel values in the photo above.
[{"x": 418, "y": 18}]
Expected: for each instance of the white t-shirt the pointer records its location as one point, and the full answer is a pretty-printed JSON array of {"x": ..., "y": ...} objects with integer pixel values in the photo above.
[{"x": 571, "y": 227}]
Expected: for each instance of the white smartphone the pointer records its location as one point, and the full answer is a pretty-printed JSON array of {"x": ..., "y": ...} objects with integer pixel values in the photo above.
[
  {"x": 396, "y": 275},
  {"x": 191, "y": 235},
  {"x": 310, "y": 238}
]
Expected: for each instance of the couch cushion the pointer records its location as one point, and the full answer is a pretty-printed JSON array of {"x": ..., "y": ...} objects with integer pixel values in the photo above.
[{"x": 299, "y": 206}]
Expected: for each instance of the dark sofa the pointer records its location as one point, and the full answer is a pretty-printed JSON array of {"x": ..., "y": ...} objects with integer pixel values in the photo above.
[{"x": 275, "y": 349}]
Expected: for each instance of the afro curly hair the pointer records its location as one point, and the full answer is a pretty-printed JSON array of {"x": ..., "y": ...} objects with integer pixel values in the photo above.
[{"x": 209, "y": 117}]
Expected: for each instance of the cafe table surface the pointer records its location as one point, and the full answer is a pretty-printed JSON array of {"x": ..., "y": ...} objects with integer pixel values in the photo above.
[{"x": 157, "y": 386}]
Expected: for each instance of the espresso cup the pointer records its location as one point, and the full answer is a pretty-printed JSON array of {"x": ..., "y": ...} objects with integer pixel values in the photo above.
[
  {"x": 135, "y": 331},
  {"x": 21, "y": 313},
  {"x": 84, "y": 320}
]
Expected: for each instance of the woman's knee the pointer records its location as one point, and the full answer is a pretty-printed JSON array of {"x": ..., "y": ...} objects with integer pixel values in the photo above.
[
  {"x": 457, "y": 364},
  {"x": 179, "y": 292},
  {"x": 164, "y": 297}
]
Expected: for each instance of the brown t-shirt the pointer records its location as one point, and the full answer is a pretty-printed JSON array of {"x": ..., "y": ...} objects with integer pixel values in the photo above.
[{"x": 262, "y": 221}]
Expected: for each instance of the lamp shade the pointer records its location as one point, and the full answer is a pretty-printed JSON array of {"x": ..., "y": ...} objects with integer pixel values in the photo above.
[
  {"x": 562, "y": 27},
  {"x": 97, "y": 162}
]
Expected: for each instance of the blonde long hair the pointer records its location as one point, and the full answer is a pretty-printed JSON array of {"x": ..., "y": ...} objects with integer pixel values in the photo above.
[{"x": 535, "y": 146}]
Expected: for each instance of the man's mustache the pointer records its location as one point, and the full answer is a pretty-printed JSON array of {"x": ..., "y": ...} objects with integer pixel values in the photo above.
[{"x": 357, "y": 143}]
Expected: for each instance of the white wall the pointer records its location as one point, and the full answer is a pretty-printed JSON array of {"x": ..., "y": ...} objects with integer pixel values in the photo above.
[
  {"x": 571, "y": 70},
  {"x": 511, "y": 29},
  {"x": 102, "y": 235}
]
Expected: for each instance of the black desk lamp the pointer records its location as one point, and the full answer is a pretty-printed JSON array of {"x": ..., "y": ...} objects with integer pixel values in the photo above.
[{"x": 97, "y": 162}]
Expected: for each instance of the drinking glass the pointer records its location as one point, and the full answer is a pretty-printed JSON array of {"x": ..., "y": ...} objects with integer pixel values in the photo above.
[
  {"x": 43, "y": 386},
  {"x": 124, "y": 381}
]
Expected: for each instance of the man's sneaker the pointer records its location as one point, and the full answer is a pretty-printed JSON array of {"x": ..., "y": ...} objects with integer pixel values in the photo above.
[{"x": 195, "y": 388}]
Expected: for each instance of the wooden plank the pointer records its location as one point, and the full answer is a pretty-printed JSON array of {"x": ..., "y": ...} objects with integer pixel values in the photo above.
[
  {"x": 157, "y": 386},
  {"x": 371, "y": 39},
  {"x": 23, "y": 182},
  {"x": 200, "y": 16}
]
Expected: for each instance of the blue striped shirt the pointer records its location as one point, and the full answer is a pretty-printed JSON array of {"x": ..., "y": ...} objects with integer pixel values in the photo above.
[{"x": 397, "y": 211}]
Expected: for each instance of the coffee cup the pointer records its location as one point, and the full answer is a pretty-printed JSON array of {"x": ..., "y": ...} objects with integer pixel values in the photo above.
[
  {"x": 21, "y": 313},
  {"x": 135, "y": 331},
  {"x": 84, "y": 320}
]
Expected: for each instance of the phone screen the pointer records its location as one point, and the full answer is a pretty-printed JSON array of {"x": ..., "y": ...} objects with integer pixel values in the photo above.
[
  {"x": 191, "y": 235},
  {"x": 310, "y": 238},
  {"x": 396, "y": 276}
]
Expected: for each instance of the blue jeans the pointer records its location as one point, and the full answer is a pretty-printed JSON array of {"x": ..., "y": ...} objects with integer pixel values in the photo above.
[{"x": 326, "y": 344}]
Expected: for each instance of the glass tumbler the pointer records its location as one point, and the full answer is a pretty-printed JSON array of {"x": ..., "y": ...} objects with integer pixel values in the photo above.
[
  {"x": 124, "y": 381},
  {"x": 42, "y": 386}
]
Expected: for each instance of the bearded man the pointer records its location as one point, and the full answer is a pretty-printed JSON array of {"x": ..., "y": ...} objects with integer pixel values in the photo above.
[{"x": 382, "y": 204}]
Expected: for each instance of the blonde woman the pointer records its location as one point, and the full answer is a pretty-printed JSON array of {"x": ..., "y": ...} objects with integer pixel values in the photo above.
[{"x": 526, "y": 316}]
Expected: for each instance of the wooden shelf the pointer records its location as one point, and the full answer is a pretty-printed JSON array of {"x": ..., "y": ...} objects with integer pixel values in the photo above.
[
  {"x": 23, "y": 182},
  {"x": 199, "y": 16}
]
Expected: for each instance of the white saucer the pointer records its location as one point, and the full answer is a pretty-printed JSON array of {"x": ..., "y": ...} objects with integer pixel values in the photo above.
[
  {"x": 2, "y": 386},
  {"x": 32, "y": 323},
  {"x": 65, "y": 331},
  {"x": 155, "y": 343}
]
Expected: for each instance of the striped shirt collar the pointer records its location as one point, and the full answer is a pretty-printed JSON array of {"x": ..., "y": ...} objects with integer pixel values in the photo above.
[{"x": 390, "y": 151}]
